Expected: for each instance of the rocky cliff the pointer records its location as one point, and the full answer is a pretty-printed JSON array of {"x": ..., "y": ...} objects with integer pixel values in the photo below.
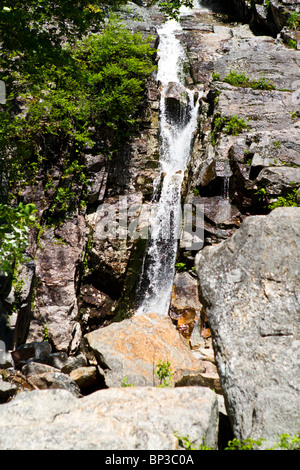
[{"x": 233, "y": 326}]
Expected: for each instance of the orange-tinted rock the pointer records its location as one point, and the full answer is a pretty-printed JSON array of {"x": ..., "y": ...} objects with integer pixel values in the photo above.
[
  {"x": 133, "y": 347},
  {"x": 185, "y": 306}
]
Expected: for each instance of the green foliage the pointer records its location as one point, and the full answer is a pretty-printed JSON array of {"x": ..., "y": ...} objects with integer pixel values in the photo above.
[
  {"x": 262, "y": 84},
  {"x": 164, "y": 373},
  {"x": 277, "y": 143},
  {"x": 293, "y": 20},
  {"x": 125, "y": 383},
  {"x": 171, "y": 8},
  {"x": 14, "y": 230},
  {"x": 186, "y": 443},
  {"x": 35, "y": 29},
  {"x": 262, "y": 196},
  {"x": 233, "y": 125},
  {"x": 292, "y": 44},
  {"x": 99, "y": 86},
  {"x": 216, "y": 76},
  {"x": 181, "y": 267},
  {"x": 284, "y": 442},
  {"x": 240, "y": 79},
  {"x": 236, "y": 79},
  {"x": 45, "y": 333},
  {"x": 245, "y": 444},
  {"x": 288, "y": 442},
  {"x": 290, "y": 199},
  {"x": 295, "y": 114},
  {"x": 116, "y": 66}
]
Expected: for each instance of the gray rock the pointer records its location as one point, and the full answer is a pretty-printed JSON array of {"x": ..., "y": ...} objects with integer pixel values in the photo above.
[
  {"x": 38, "y": 351},
  {"x": 57, "y": 360},
  {"x": 27, "y": 277},
  {"x": 114, "y": 419},
  {"x": 74, "y": 362},
  {"x": 54, "y": 379},
  {"x": 250, "y": 286},
  {"x": 277, "y": 180},
  {"x": 41, "y": 349},
  {"x": 274, "y": 62},
  {"x": 6, "y": 360},
  {"x": 36, "y": 368},
  {"x": 97, "y": 186},
  {"x": 7, "y": 390}
]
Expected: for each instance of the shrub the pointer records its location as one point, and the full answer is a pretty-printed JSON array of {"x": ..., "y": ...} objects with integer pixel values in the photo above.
[
  {"x": 236, "y": 79},
  {"x": 164, "y": 373},
  {"x": 293, "y": 20},
  {"x": 288, "y": 442},
  {"x": 290, "y": 199},
  {"x": 125, "y": 383},
  {"x": 97, "y": 86},
  {"x": 14, "y": 231},
  {"x": 240, "y": 79},
  {"x": 292, "y": 44},
  {"x": 235, "y": 125}
]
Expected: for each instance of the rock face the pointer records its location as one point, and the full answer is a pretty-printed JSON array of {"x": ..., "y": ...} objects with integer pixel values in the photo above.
[
  {"x": 114, "y": 419},
  {"x": 250, "y": 286},
  {"x": 56, "y": 306}
]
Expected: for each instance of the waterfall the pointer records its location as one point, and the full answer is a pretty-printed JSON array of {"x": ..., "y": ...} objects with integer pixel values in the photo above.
[{"x": 178, "y": 120}]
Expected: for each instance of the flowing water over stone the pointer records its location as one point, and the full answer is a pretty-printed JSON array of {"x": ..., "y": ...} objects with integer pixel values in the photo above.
[{"x": 178, "y": 121}]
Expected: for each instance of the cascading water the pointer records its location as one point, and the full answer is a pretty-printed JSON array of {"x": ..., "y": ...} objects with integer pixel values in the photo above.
[{"x": 178, "y": 121}]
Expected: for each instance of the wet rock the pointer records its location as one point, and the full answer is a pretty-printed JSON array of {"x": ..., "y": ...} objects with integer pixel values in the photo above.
[
  {"x": 185, "y": 307},
  {"x": 178, "y": 107},
  {"x": 249, "y": 285},
  {"x": 132, "y": 348}
]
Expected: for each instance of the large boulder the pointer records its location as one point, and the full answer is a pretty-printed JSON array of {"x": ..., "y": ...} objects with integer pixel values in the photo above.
[
  {"x": 113, "y": 419},
  {"x": 250, "y": 287},
  {"x": 132, "y": 349}
]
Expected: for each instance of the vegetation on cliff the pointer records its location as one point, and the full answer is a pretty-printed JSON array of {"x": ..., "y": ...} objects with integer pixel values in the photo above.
[{"x": 73, "y": 76}]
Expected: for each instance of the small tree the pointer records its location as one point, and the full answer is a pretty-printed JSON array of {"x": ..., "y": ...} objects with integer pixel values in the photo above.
[
  {"x": 14, "y": 231},
  {"x": 293, "y": 20},
  {"x": 164, "y": 373}
]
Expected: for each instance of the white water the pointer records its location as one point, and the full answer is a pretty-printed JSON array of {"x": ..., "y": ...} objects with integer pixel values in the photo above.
[{"x": 159, "y": 264}]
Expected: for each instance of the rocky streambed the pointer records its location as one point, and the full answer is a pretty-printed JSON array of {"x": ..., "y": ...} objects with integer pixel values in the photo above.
[{"x": 232, "y": 334}]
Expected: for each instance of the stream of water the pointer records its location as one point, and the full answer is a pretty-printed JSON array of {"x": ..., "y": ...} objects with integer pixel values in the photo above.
[{"x": 176, "y": 136}]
